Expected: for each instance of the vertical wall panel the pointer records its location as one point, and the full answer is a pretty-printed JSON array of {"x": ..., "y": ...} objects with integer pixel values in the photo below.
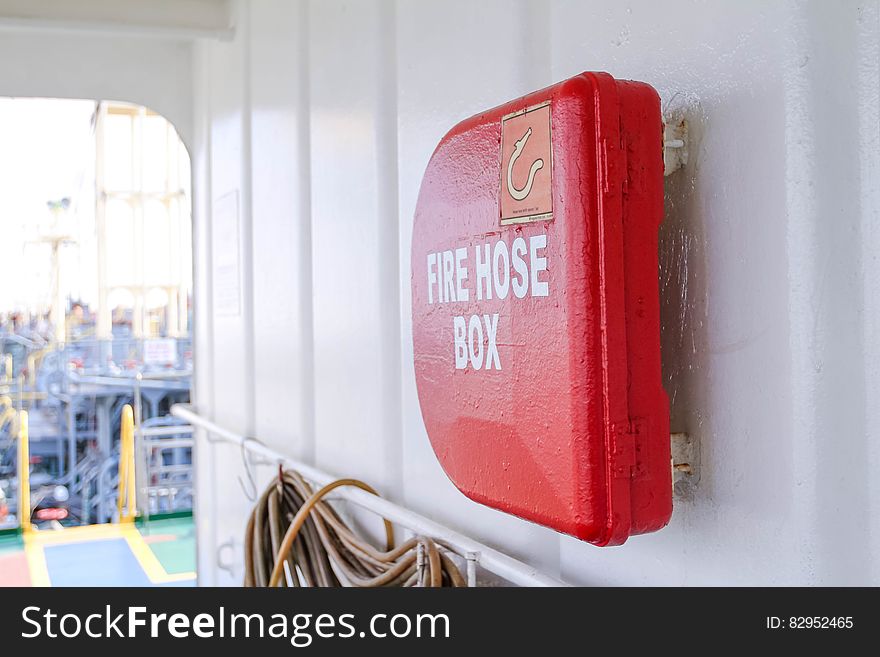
[
  {"x": 282, "y": 321},
  {"x": 868, "y": 52},
  {"x": 203, "y": 335},
  {"x": 355, "y": 292},
  {"x": 825, "y": 267},
  {"x": 232, "y": 366}
]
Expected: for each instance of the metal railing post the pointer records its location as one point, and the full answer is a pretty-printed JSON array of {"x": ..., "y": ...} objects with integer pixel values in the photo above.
[
  {"x": 125, "y": 500},
  {"x": 24, "y": 474},
  {"x": 139, "y": 454}
]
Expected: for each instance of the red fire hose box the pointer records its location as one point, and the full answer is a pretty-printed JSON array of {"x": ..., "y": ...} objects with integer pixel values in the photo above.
[{"x": 535, "y": 309}]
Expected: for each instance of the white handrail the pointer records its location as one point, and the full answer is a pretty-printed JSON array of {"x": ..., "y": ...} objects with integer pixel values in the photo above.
[{"x": 506, "y": 567}]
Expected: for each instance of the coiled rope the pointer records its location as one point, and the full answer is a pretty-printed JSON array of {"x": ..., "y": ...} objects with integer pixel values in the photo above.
[{"x": 295, "y": 538}]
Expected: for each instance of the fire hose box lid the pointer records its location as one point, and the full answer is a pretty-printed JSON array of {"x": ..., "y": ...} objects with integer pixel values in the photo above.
[{"x": 535, "y": 309}]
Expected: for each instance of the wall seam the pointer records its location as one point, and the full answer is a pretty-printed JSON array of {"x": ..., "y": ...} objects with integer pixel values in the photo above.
[
  {"x": 389, "y": 268},
  {"x": 305, "y": 265},
  {"x": 247, "y": 228}
]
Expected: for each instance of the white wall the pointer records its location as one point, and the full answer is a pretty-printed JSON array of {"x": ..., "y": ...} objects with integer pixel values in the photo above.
[
  {"x": 324, "y": 114},
  {"x": 321, "y": 117}
]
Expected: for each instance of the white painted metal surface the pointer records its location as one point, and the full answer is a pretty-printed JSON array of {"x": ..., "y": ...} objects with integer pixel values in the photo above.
[
  {"x": 178, "y": 18},
  {"x": 322, "y": 116},
  {"x": 156, "y": 72}
]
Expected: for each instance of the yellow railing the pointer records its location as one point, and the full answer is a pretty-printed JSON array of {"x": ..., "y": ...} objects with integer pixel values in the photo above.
[
  {"x": 125, "y": 500},
  {"x": 24, "y": 474},
  {"x": 7, "y": 410},
  {"x": 13, "y": 395}
]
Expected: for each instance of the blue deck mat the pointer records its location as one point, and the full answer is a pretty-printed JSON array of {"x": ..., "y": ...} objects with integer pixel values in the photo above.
[{"x": 105, "y": 562}]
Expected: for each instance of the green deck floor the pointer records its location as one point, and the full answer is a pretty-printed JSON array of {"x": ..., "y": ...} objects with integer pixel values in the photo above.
[
  {"x": 10, "y": 543},
  {"x": 177, "y": 555}
]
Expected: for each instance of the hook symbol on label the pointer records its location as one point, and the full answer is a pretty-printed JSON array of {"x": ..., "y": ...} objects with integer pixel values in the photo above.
[{"x": 537, "y": 165}]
